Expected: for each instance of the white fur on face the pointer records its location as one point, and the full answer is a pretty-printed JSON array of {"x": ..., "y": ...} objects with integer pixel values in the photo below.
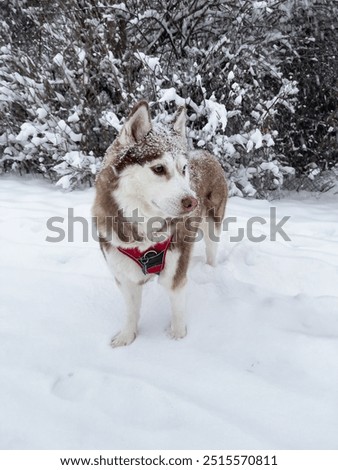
[{"x": 154, "y": 195}]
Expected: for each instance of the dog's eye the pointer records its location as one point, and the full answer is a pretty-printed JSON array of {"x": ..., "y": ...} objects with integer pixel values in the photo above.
[
  {"x": 184, "y": 170},
  {"x": 158, "y": 169}
]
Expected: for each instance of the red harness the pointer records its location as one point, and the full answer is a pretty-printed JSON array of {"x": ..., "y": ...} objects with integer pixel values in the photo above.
[{"x": 152, "y": 260}]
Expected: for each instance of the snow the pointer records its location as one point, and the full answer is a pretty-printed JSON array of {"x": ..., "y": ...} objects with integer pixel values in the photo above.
[
  {"x": 231, "y": 76},
  {"x": 169, "y": 94},
  {"x": 270, "y": 166},
  {"x": 59, "y": 60},
  {"x": 152, "y": 62},
  {"x": 260, "y": 4},
  {"x": 74, "y": 117},
  {"x": 255, "y": 138},
  {"x": 217, "y": 114},
  {"x": 109, "y": 118},
  {"x": 65, "y": 181},
  {"x": 65, "y": 128},
  {"x": 74, "y": 158},
  {"x": 81, "y": 53},
  {"x": 238, "y": 100},
  {"x": 41, "y": 113},
  {"x": 313, "y": 173},
  {"x": 54, "y": 138},
  {"x": 258, "y": 368},
  {"x": 27, "y": 130}
]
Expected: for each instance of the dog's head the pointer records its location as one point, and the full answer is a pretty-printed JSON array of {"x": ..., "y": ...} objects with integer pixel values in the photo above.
[{"x": 152, "y": 166}]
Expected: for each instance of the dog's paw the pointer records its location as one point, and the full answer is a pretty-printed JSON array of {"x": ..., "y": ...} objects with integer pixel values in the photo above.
[
  {"x": 123, "y": 339},
  {"x": 211, "y": 262},
  {"x": 177, "y": 332}
]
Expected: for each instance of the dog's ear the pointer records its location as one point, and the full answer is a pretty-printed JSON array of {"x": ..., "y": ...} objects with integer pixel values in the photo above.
[
  {"x": 137, "y": 125},
  {"x": 180, "y": 124}
]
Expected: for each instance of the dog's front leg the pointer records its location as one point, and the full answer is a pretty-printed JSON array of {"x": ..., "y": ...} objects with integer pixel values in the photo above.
[
  {"x": 174, "y": 280},
  {"x": 177, "y": 297},
  {"x": 132, "y": 294}
]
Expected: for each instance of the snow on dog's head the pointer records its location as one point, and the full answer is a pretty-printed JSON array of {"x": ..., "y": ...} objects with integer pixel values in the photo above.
[{"x": 152, "y": 166}]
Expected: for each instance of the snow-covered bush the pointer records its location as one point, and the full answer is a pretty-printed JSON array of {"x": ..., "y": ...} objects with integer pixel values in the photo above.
[
  {"x": 70, "y": 72},
  {"x": 57, "y": 103}
]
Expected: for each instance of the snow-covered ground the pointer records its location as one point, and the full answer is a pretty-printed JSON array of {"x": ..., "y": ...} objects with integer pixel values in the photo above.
[{"x": 258, "y": 369}]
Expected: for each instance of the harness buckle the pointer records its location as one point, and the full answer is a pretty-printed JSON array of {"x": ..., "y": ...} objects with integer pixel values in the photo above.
[{"x": 149, "y": 259}]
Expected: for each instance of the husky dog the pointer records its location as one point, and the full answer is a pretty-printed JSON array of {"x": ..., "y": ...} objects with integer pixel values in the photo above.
[{"x": 152, "y": 195}]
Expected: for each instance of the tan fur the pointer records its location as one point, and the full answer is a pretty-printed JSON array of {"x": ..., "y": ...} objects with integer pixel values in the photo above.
[{"x": 207, "y": 178}]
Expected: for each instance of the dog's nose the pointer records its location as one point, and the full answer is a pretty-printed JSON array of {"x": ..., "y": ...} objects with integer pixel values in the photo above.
[{"x": 189, "y": 203}]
